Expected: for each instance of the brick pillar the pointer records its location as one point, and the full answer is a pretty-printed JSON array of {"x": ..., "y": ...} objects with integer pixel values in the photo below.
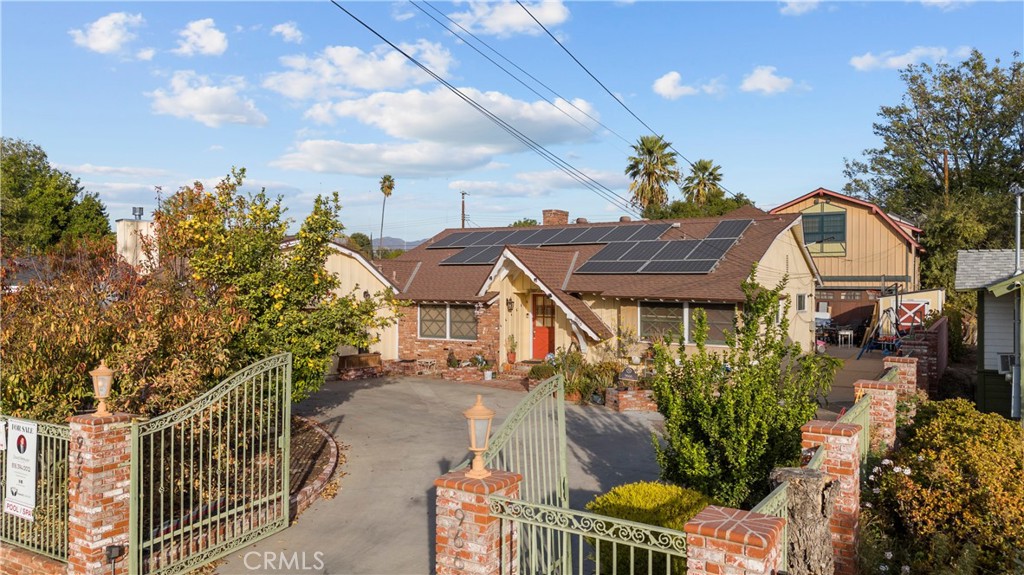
[
  {"x": 99, "y": 475},
  {"x": 468, "y": 538},
  {"x": 883, "y": 411},
  {"x": 907, "y": 369},
  {"x": 725, "y": 540},
  {"x": 555, "y": 218},
  {"x": 841, "y": 442}
]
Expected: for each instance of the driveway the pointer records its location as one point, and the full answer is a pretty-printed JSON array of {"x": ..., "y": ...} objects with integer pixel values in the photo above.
[{"x": 402, "y": 434}]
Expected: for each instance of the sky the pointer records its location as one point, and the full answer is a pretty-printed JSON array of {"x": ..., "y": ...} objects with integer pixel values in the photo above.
[{"x": 135, "y": 96}]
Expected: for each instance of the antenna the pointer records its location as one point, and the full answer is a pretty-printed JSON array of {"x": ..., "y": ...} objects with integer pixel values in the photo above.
[{"x": 137, "y": 212}]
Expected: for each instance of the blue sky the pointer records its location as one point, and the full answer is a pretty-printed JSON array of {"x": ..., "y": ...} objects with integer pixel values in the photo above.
[{"x": 129, "y": 96}]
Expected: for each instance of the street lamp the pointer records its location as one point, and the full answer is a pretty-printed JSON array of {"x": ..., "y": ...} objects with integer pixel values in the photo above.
[
  {"x": 479, "y": 417},
  {"x": 102, "y": 377}
]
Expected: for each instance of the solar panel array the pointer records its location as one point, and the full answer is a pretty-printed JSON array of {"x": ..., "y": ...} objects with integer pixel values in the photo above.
[{"x": 630, "y": 249}]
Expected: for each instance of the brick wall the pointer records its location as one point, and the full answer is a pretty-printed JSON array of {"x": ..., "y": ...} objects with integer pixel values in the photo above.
[
  {"x": 18, "y": 561},
  {"x": 630, "y": 400},
  {"x": 882, "y": 411},
  {"x": 468, "y": 539},
  {"x": 842, "y": 461},
  {"x": 906, "y": 368},
  {"x": 724, "y": 540},
  {"x": 555, "y": 218},
  {"x": 931, "y": 349},
  {"x": 487, "y": 342}
]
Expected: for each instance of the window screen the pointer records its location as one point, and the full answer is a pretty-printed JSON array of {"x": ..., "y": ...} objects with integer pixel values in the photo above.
[
  {"x": 720, "y": 318},
  {"x": 463, "y": 322},
  {"x": 433, "y": 321},
  {"x": 661, "y": 320}
]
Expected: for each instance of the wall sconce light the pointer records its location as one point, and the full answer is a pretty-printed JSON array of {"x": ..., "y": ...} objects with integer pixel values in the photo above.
[
  {"x": 510, "y": 304},
  {"x": 366, "y": 294},
  {"x": 102, "y": 377},
  {"x": 479, "y": 417}
]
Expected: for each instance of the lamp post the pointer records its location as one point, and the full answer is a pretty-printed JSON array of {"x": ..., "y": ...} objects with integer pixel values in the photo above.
[
  {"x": 102, "y": 377},
  {"x": 479, "y": 417}
]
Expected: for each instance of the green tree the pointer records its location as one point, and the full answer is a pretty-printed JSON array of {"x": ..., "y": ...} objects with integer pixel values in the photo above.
[
  {"x": 362, "y": 243},
  {"x": 733, "y": 415},
  {"x": 40, "y": 202},
  {"x": 651, "y": 169},
  {"x": 523, "y": 223},
  {"x": 715, "y": 206},
  {"x": 387, "y": 186},
  {"x": 703, "y": 182},
  {"x": 972, "y": 114}
]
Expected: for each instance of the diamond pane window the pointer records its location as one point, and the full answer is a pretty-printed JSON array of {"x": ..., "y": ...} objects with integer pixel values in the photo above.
[
  {"x": 433, "y": 321},
  {"x": 720, "y": 318},
  {"x": 659, "y": 319},
  {"x": 463, "y": 322}
]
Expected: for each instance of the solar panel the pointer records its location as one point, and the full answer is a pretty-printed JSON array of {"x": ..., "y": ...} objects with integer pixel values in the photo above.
[
  {"x": 469, "y": 239},
  {"x": 594, "y": 235},
  {"x": 729, "y": 229},
  {"x": 489, "y": 255},
  {"x": 650, "y": 232},
  {"x": 612, "y": 252},
  {"x": 643, "y": 250},
  {"x": 448, "y": 240},
  {"x": 519, "y": 237},
  {"x": 566, "y": 236},
  {"x": 677, "y": 250},
  {"x": 621, "y": 234},
  {"x": 711, "y": 249},
  {"x": 610, "y": 267},
  {"x": 465, "y": 255},
  {"x": 541, "y": 237},
  {"x": 494, "y": 238},
  {"x": 680, "y": 267}
]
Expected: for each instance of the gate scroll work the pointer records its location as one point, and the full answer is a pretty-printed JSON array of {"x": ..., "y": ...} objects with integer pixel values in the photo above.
[{"x": 212, "y": 476}]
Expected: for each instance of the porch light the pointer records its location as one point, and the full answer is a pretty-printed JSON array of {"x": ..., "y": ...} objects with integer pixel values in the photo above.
[
  {"x": 102, "y": 377},
  {"x": 510, "y": 304},
  {"x": 479, "y": 417}
]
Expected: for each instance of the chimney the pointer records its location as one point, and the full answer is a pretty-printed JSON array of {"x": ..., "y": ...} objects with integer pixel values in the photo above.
[
  {"x": 582, "y": 221},
  {"x": 556, "y": 218},
  {"x": 625, "y": 219}
]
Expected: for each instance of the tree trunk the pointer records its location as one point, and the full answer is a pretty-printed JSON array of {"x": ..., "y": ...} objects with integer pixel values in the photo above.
[{"x": 811, "y": 494}]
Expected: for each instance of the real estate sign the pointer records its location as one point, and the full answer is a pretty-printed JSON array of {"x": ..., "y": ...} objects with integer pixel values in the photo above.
[{"x": 20, "y": 494}]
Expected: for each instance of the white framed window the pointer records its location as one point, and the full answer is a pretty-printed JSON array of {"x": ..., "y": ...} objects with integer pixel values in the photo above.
[
  {"x": 801, "y": 302},
  {"x": 447, "y": 321}
]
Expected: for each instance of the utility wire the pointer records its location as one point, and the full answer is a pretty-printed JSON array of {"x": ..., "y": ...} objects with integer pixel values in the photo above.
[
  {"x": 552, "y": 158},
  {"x": 600, "y": 83}
]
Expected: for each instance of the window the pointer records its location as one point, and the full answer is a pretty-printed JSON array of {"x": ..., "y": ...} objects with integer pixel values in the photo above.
[
  {"x": 825, "y": 229},
  {"x": 447, "y": 322},
  {"x": 801, "y": 302},
  {"x": 720, "y": 318},
  {"x": 826, "y": 295},
  {"x": 661, "y": 320},
  {"x": 850, "y": 296}
]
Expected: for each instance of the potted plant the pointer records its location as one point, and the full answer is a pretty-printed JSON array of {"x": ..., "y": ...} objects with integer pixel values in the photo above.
[{"x": 511, "y": 344}]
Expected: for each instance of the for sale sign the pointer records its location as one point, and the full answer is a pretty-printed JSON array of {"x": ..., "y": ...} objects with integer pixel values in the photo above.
[{"x": 20, "y": 493}]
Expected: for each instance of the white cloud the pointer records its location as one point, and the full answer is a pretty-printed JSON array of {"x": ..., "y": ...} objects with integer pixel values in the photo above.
[
  {"x": 288, "y": 31},
  {"x": 671, "y": 87},
  {"x": 115, "y": 170},
  {"x": 892, "y": 61},
  {"x": 440, "y": 116},
  {"x": 504, "y": 19},
  {"x": 419, "y": 159},
  {"x": 798, "y": 7},
  {"x": 201, "y": 37},
  {"x": 339, "y": 69},
  {"x": 763, "y": 79},
  {"x": 195, "y": 97},
  {"x": 145, "y": 54},
  {"x": 946, "y": 5},
  {"x": 109, "y": 34}
]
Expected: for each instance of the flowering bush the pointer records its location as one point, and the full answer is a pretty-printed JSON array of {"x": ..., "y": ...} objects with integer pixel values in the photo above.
[{"x": 951, "y": 498}]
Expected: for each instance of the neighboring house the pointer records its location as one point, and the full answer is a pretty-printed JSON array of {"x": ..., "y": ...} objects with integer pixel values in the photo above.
[
  {"x": 861, "y": 251},
  {"x": 559, "y": 284},
  {"x": 130, "y": 234},
  {"x": 991, "y": 273}
]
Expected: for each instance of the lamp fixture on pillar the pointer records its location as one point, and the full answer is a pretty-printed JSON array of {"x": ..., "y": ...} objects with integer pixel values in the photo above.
[
  {"x": 479, "y": 417},
  {"x": 510, "y": 304},
  {"x": 102, "y": 377}
]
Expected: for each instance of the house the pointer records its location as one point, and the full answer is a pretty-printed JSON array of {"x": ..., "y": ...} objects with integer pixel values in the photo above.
[
  {"x": 993, "y": 274},
  {"x": 861, "y": 251},
  {"x": 131, "y": 237},
  {"x": 583, "y": 284}
]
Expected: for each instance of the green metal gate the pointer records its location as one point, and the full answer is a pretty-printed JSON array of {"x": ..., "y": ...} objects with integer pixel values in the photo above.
[{"x": 212, "y": 476}]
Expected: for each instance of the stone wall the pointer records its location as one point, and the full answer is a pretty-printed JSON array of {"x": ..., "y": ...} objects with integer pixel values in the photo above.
[{"x": 487, "y": 342}]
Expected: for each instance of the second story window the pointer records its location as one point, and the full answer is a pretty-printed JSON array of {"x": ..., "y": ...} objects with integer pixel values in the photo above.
[{"x": 825, "y": 229}]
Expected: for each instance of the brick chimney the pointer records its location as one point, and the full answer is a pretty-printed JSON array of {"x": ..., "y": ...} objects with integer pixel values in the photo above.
[{"x": 556, "y": 218}]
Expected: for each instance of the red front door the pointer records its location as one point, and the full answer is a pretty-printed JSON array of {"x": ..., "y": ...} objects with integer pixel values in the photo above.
[{"x": 543, "y": 326}]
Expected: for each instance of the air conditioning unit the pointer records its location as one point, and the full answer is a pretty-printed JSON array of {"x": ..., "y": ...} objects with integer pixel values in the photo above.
[{"x": 1006, "y": 362}]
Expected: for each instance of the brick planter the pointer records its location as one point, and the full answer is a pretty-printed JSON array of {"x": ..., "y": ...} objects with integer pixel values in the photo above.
[
  {"x": 471, "y": 373},
  {"x": 630, "y": 399}
]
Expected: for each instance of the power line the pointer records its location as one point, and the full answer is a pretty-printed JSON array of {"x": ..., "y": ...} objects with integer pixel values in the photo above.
[{"x": 567, "y": 168}]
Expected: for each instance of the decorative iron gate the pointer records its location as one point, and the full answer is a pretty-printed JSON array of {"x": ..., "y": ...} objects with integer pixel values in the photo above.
[{"x": 212, "y": 476}]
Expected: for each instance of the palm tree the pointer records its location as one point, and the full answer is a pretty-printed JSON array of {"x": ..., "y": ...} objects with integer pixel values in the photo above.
[
  {"x": 652, "y": 169},
  {"x": 702, "y": 183},
  {"x": 387, "y": 185}
]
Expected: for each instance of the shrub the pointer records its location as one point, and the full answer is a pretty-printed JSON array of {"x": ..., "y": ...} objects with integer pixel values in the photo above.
[
  {"x": 541, "y": 371},
  {"x": 651, "y": 503},
  {"x": 953, "y": 490}
]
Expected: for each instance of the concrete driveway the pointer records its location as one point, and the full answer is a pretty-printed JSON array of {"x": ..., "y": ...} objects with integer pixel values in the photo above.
[{"x": 402, "y": 434}]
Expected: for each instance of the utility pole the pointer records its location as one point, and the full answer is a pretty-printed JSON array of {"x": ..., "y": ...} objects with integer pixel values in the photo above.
[{"x": 464, "y": 194}]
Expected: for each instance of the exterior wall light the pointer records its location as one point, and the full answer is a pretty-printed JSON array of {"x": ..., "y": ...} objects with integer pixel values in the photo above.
[
  {"x": 102, "y": 377},
  {"x": 510, "y": 304},
  {"x": 479, "y": 417}
]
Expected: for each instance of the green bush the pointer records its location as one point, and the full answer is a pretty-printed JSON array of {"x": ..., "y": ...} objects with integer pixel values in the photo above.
[
  {"x": 541, "y": 371},
  {"x": 955, "y": 486},
  {"x": 651, "y": 503}
]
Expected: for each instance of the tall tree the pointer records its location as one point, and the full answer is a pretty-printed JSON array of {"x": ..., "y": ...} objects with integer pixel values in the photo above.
[
  {"x": 651, "y": 169},
  {"x": 971, "y": 116},
  {"x": 703, "y": 182},
  {"x": 387, "y": 185},
  {"x": 361, "y": 242}
]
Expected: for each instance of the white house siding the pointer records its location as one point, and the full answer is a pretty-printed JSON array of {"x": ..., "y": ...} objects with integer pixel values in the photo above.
[
  {"x": 998, "y": 327},
  {"x": 785, "y": 258}
]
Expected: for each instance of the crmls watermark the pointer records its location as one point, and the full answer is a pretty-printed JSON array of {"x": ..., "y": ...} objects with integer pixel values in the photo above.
[{"x": 284, "y": 561}]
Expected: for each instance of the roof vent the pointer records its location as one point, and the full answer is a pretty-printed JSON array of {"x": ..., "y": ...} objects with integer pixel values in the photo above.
[
  {"x": 624, "y": 219},
  {"x": 582, "y": 221}
]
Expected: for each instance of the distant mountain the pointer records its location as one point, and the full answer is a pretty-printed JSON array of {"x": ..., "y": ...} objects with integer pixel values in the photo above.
[{"x": 398, "y": 243}]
